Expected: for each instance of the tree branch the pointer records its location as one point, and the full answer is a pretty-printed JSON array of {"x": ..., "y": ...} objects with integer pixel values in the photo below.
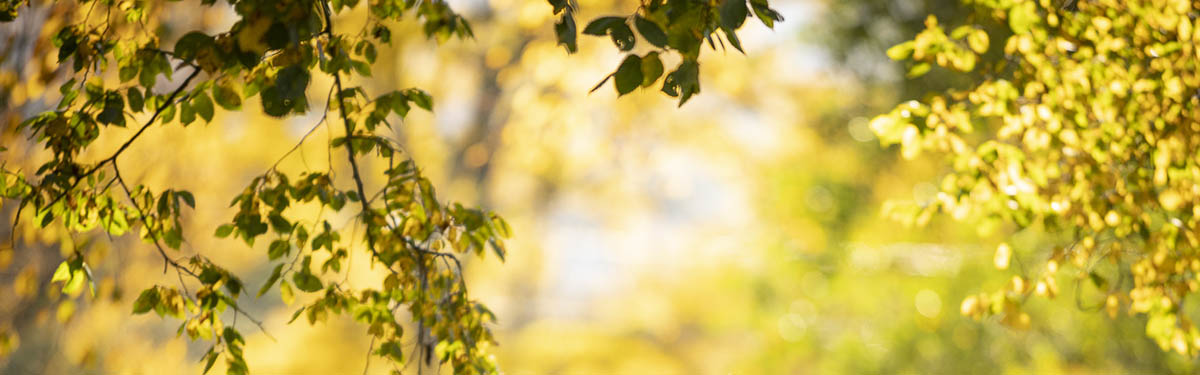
[{"x": 113, "y": 158}]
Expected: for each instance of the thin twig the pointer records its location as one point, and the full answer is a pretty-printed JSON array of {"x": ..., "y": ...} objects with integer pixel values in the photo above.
[
  {"x": 167, "y": 261},
  {"x": 149, "y": 228},
  {"x": 305, "y": 137},
  {"x": 370, "y": 348},
  {"x": 113, "y": 158}
]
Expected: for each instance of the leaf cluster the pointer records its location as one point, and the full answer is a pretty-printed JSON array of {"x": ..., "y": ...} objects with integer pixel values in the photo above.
[{"x": 1086, "y": 127}]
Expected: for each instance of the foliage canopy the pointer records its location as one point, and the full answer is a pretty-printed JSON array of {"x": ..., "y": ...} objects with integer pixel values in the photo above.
[
  {"x": 1083, "y": 124},
  {"x": 118, "y": 71}
]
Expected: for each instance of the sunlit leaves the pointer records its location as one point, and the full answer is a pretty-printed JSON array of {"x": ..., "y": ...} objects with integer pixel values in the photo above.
[
  {"x": 73, "y": 274},
  {"x": 652, "y": 69},
  {"x": 163, "y": 301},
  {"x": 10, "y": 9},
  {"x": 901, "y": 51},
  {"x": 1023, "y": 17},
  {"x": 120, "y": 75},
  {"x": 1080, "y": 130}
]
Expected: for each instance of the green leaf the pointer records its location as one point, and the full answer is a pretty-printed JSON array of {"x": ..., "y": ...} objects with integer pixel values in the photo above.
[
  {"x": 187, "y": 114},
  {"x": 224, "y": 230},
  {"x": 765, "y": 14},
  {"x": 420, "y": 97},
  {"x": 622, "y": 36},
  {"x": 146, "y": 301},
  {"x": 600, "y": 26},
  {"x": 369, "y": 52},
  {"x": 559, "y": 5},
  {"x": 296, "y": 314},
  {"x": 270, "y": 280},
  {"x": 232, "y": 336},
  {"x": 47, "y": 219},
  {"x": 226, "y": 97},
  {"x": 173, "y": 237},
  {"x": 391, "y": 349},
  {"x": 292, "y": 81},
  {"x": 286, "y": 294},
  {"x": 136, "y": 100},
  {"x": 651, "y": 31},
  {"x": 301, "y": 237},
  {"x": 114, "y": 110},
  {"x": 187, "y": 197},
  {"x": 67, "y": 42},
  {"x": 164, "y": 206},
  {"x": 629, "y": 75},
  {"x": 203, "y": 106},
  {"x": 733, "y": 13},
  {"x": 168, "y": 114},
  {"x": 190, "y": 44},
  {"x": 278, "y": 249},
  {"x": 399, "y": 105},
  {"x": 564, "y": 29},
  {"x": 732, "y": 37},
  {"x": 683, "y": 82},
  {"x": 127, "y": 71},
  {"x": 361, "y": 67},
  {"x": 209, "y": 360},
  {"x": 652, "y": 69},
  {"x": 273, "y": 103},
  {"x": 278, "y": 223},
  {"x": 307, "y": 282}
]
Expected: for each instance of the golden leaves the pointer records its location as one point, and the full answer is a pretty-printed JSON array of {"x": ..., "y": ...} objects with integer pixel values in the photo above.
[{"x": 1086, "y": 129}]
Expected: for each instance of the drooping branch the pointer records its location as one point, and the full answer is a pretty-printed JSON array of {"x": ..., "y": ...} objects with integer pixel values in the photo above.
[
  {"x": 349, "y": 128},
  {"x": 124, "y": 146},
  {"x": 167, "y": 260}
]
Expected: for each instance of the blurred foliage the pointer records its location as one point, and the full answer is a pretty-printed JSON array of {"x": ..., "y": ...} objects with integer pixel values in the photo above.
[{"x": 1085, "y": 131}]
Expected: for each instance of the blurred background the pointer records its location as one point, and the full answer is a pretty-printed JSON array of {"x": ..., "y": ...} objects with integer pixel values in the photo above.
[{"x": 739, "y": 234}]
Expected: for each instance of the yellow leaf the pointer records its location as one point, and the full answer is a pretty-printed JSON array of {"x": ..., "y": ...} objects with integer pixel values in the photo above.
[{"x": 285, "y": 293}]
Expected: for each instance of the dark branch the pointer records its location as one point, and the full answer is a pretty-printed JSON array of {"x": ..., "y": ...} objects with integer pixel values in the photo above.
[{"x": 113, "y": 158}]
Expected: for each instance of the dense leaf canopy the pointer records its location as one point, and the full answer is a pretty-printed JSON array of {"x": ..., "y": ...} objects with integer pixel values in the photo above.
[{"x": 1083, "y": 126}]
